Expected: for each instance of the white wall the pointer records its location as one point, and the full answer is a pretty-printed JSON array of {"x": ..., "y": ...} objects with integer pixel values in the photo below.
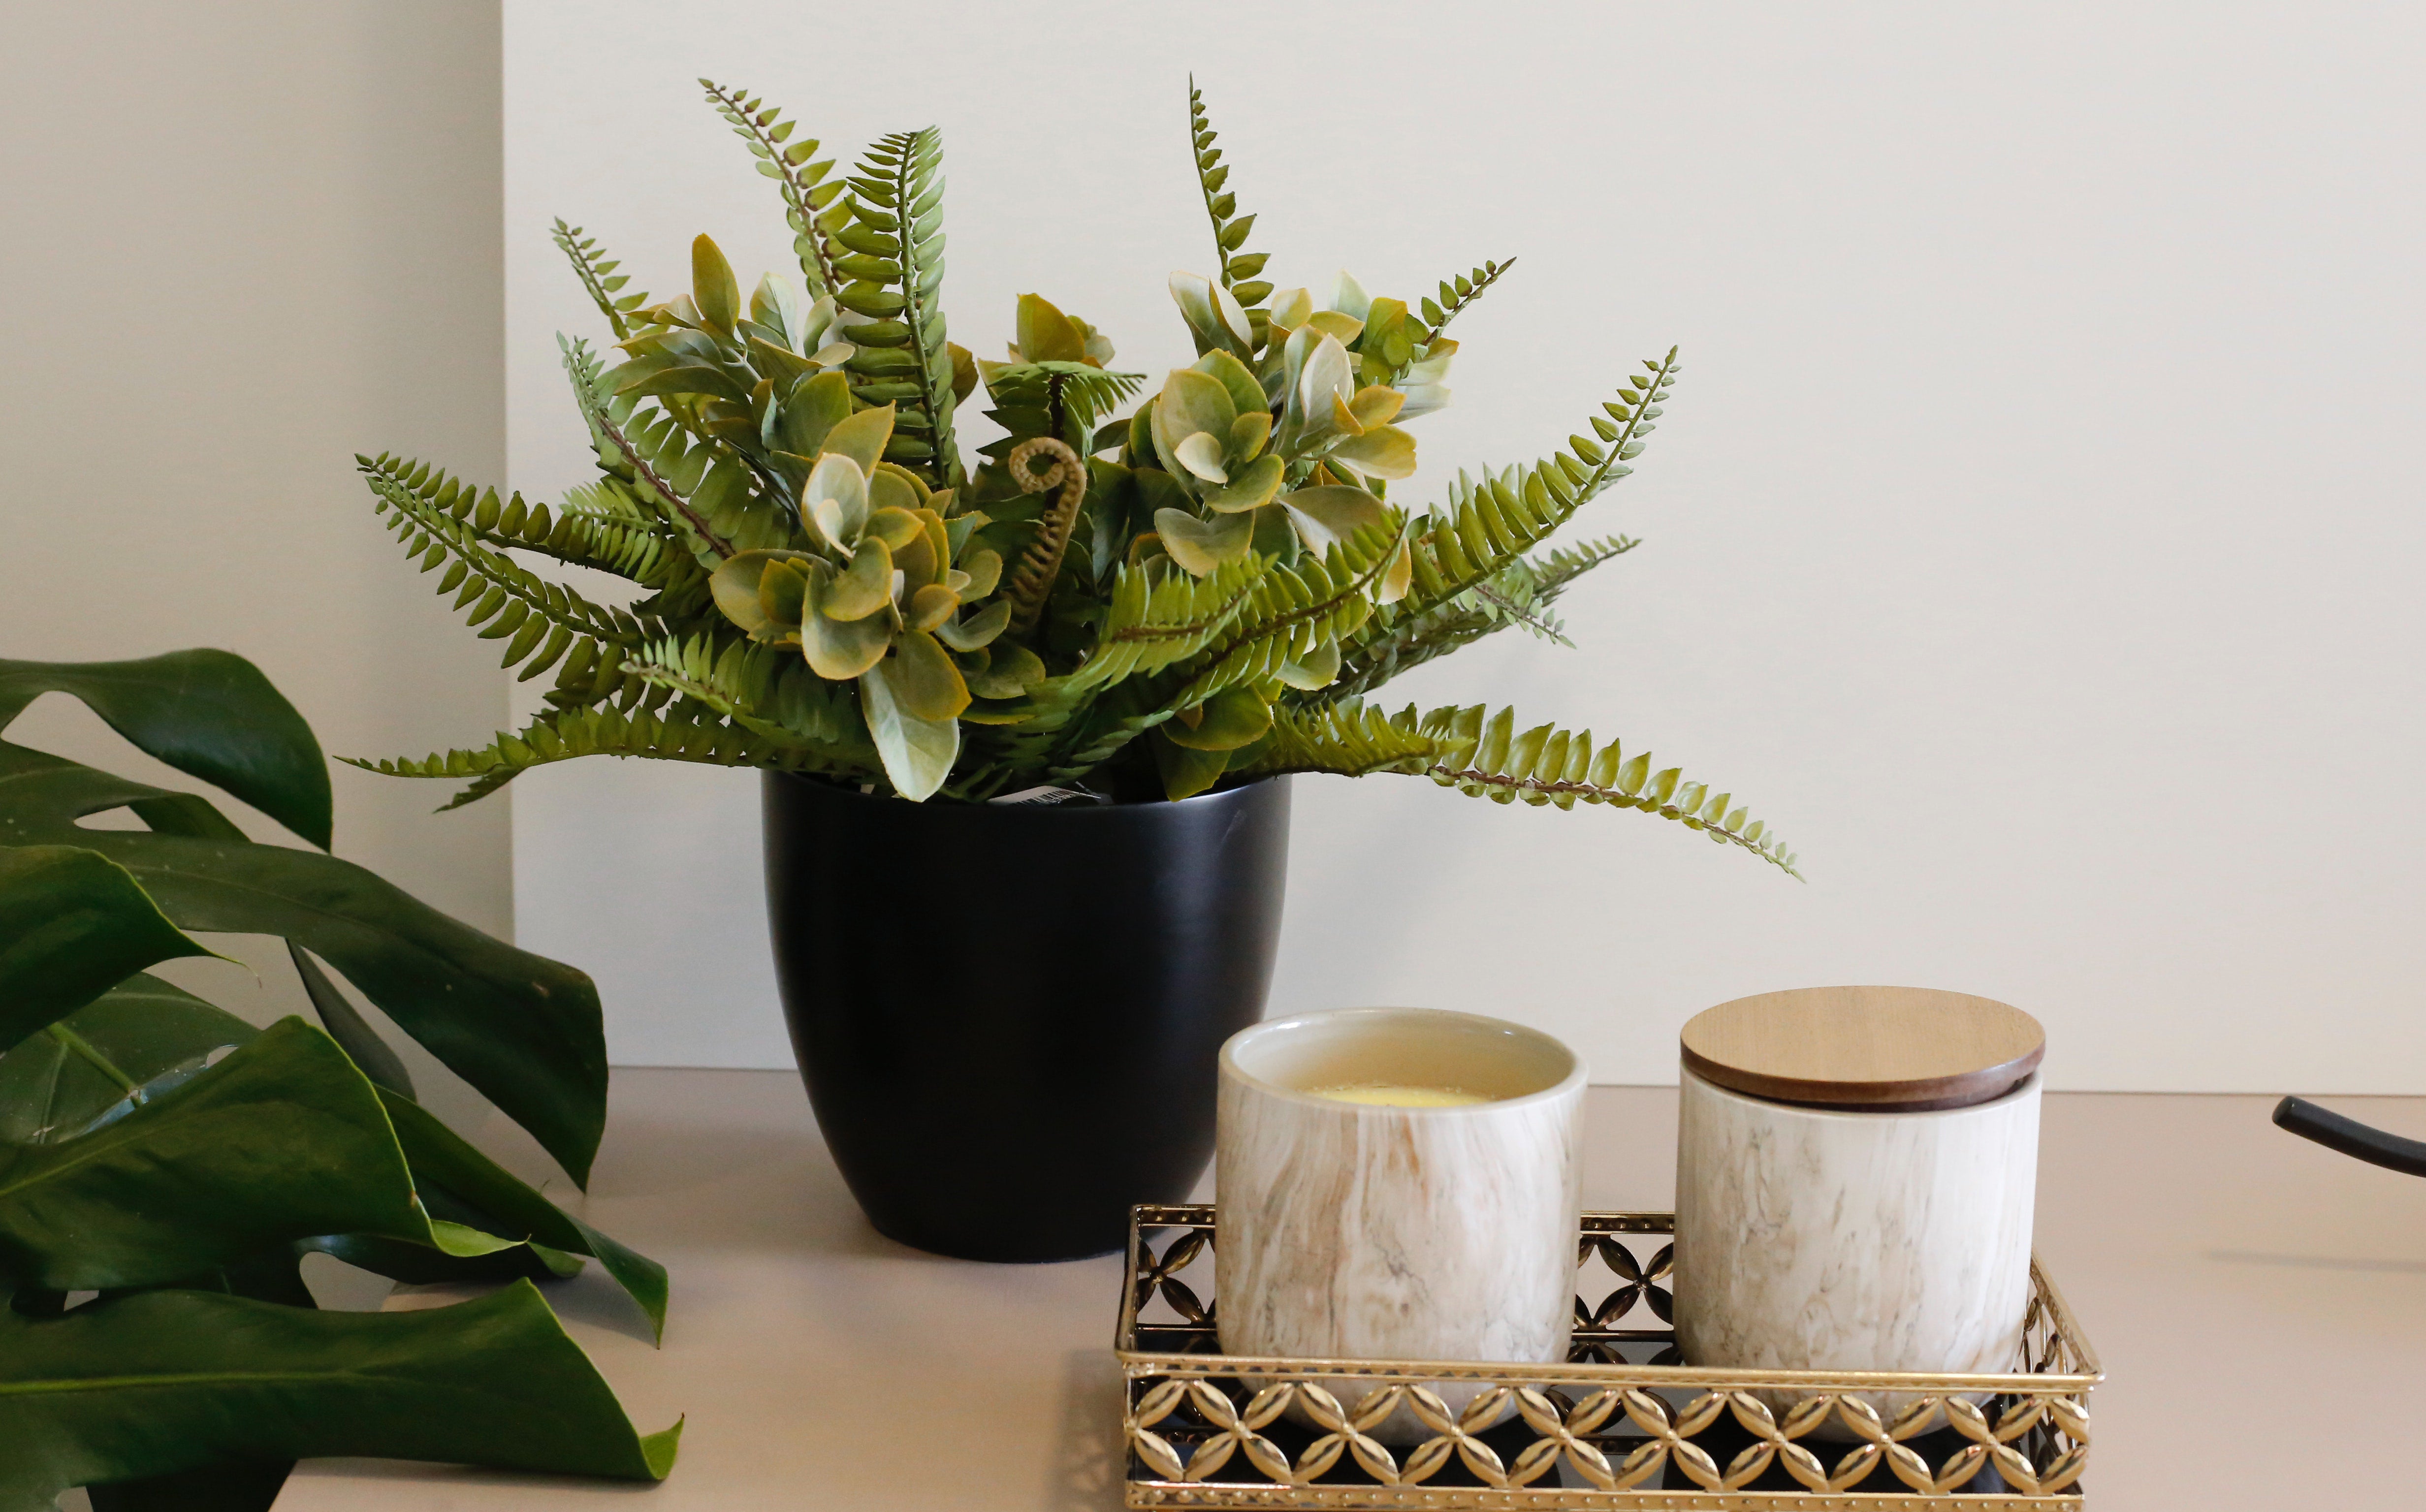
[
  {"x": 242, "y": 243},
  {"x": 2033, "y": 538}
]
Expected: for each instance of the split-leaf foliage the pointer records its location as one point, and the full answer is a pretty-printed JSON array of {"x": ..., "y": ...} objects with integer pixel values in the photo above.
[
  {"x": 1141, "y": 590},
  {"x": 165, "y": 1165}
]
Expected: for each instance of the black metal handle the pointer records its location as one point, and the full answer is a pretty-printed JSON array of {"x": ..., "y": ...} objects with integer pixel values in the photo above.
[{"x": 2352, "y": 1137}]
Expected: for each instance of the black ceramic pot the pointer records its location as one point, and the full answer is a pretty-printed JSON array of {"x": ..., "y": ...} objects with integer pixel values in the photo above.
[{"x": 1007, "y": 1015}]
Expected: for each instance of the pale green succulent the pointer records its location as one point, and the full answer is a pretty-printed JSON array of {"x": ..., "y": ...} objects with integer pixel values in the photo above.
[{"x": 1144, "y": 604}]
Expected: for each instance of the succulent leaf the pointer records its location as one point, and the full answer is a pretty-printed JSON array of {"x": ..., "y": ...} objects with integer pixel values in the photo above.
[{"x": 1202, "y": 546}]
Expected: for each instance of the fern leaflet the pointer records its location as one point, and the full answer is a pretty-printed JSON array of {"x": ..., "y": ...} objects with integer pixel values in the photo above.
[
  {"x": 1487, "y": 757},
  {"x": 805, "y": 192},
  {"x": 1488, "y": 525},
  {"x": 890, "y": 222},
  {"x": 689, "y": 732},
  {"x": 599, "y": 278},
  {"x": 442, "y": 520},
  {"x": 1456, "y": 294},
  {"x": 1521, "y": 594},
  {"x": 1240, "y": 270}
]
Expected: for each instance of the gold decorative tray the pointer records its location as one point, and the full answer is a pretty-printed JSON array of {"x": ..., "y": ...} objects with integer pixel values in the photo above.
[{"x": 1621, "y": 1425}]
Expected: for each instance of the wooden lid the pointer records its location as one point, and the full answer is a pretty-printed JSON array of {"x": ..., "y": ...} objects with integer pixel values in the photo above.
[{"x": 1889, "y": 1049}]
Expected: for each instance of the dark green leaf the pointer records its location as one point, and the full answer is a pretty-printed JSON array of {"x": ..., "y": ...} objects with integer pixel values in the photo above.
[
  {"x": 72, "y": 924},
  {"x": 421, "y": 1265},
  {"x": 208, "y": 714},
  {"x": 523, "y": 1030},
  {"x": 506, "y": 1205},
  {"x": 281, "y": 1140},
  {"x": 143, "y": 1032},
  {"x": 161, "y": 1382},
  {"x": 371, "y": 1053}
]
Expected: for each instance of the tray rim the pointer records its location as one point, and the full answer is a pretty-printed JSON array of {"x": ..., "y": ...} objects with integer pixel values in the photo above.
[{"x": 1137, "y": 1362}]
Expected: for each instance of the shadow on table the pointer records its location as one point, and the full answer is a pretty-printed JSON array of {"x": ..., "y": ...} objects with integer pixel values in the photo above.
[
  {"x": 433, "y": 1483},
  {"x": 1088, "y": 1471}
]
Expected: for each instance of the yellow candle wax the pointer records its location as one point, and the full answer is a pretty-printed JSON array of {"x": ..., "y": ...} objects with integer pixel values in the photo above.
[{"x": 1390, "y": 1095}]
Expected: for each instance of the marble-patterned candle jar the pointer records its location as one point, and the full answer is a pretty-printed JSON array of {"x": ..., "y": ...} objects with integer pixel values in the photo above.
[
  {"x": 1855, "y": 1172},
  {"x": 1351, "y": 1230}
]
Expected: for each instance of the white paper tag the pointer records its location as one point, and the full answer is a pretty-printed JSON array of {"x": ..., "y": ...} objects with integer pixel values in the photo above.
[{"x": 1047, "y": 794}]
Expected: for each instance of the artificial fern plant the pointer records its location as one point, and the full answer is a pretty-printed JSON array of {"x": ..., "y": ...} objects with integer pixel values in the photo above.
[{"x": 1205, "y": 588}]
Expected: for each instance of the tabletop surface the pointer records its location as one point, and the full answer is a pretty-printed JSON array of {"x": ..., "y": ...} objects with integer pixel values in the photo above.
[{"x": 2259, "y": 1303}]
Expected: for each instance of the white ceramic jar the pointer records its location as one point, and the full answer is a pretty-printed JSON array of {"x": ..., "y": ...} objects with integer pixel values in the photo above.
[
  {"x": 1354, "y": 1231},
  {"x": 1857, "y": 1195}
]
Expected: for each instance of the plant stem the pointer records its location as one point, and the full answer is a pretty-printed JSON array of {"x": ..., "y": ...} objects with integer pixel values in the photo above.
[
  {"x": 660, "y": 487},
  {"x": 99, "y": 1062}
]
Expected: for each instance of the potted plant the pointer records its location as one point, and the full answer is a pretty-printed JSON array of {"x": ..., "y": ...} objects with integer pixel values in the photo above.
[
  {"x": 165, "y": 1165},
  {"x": 1145, "y": 603}
]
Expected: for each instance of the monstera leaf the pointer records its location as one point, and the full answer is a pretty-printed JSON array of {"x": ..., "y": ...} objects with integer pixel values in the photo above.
[
  {"x": 109, "y": 1067},
  {"x": 208, "y": 713},
  {"x": 141, "y": 1036},
  {"x": 523, "y": 1030},
  {"x": 281, "y": 1140},
  {"x": 161, "y": 1382},
  {"x": 72, "y": 922},
  {"x": 171, "y": 1158}
]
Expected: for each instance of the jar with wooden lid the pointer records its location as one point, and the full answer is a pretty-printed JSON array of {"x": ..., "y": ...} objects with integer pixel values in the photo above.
[{"x": 1855, "y": 1171}]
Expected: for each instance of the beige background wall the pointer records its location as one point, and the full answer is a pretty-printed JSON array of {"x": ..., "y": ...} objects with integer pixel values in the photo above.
[
  {"x": 240, "y": 243},
  {"x": 2034, "y": 538}
]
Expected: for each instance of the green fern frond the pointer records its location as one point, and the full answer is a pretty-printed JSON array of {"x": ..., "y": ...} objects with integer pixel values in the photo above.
[
  {"x": 1488, "y": 525},
  {"x": 598, "y": 277},
  {"x": 1347, "y": 738},
  {"x": 891, "y": 227},
  {"x": 1483, "y": 755},
  {"x": 1105, "y": 732},
  {"x": 1516, "y": 599},
  {"x": 442, "y": 520},
  {"x": 1523, "y": 594},
  {"x": 592, "y": 674},
  {"x": 704, "y": 493},
  {"x": 1240, "y": 625},
  {"x": 584, "y": 531},
  {"x": 601, "y": 525},
  {"x": 479, "y": 788},
  {"x": 648, "y": 449},
  {"x": 1291, "y": 612},
  {"x": 768, "y": 690},
  {"x": 1456, "y": 294},
  {"x": 1554, "y": 572},
  {"x": 614, "y": 532},
  {"x": 1486, "y": 757},
  {"x": 1062, "y": 399},
  {"x": 1157, "y": 616},
  {"x": 584, "y": 370},
  {"x": 1242, "y": 270},
  {"x": 687, "y": 732},
  {"x": 805, "y": 192}
]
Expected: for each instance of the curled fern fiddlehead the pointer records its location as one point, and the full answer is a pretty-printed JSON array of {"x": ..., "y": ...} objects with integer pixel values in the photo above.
[{"x": 1040, "y": 563}]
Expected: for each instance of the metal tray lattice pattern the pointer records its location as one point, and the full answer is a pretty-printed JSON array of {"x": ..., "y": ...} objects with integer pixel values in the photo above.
[{"x": 1622, "y": 1423}]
